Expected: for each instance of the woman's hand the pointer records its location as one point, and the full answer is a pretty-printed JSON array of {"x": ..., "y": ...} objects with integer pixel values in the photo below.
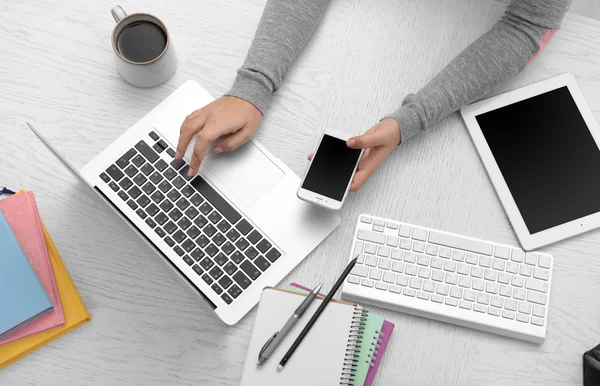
[
  {"x": 379, "y": 141},
  {"x": 231, "y": 118}
]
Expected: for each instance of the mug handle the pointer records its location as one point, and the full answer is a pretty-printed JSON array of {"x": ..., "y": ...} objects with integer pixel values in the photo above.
[{"x": 118, "y": 13}]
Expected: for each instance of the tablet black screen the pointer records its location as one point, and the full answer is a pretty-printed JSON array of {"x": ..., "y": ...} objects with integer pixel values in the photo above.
[{"x": 547, "y": 157}]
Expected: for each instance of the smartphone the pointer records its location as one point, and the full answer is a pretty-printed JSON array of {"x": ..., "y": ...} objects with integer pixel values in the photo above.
[{"x": 330, "y": 172}]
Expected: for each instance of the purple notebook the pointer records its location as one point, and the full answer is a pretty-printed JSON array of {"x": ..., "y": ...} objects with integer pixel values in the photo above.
[{"x": 384, "y": 338}]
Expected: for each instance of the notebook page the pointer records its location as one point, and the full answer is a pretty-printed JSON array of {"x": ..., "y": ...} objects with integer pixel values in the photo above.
[{"x": 318, "y": 360}]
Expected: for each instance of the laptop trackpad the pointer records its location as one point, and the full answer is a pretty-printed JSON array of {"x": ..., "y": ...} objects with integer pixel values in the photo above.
[{"x": 247, "y": 172}]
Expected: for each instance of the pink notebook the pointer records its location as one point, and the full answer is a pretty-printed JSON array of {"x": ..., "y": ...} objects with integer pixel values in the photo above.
[
  {"x": 384, "y": 338},
  {"x": 22, "y": 215}
]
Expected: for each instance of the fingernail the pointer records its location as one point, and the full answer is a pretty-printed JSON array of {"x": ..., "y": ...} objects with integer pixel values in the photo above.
[
  {"x": 190, "y": 173},
  {"x": 218, "y": 150},
  {"x": 177, "y": 155},
  {"x": 351, "y": 142}
]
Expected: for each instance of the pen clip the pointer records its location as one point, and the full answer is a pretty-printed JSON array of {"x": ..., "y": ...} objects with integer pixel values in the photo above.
[{"x": 268, "y": 343}]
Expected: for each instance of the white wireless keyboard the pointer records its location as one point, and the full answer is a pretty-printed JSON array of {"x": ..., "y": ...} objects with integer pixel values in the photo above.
[{"x": 451, "y": 278}]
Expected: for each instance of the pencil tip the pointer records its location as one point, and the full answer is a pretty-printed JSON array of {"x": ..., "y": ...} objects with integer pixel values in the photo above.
[{"x": 279, "y": 367}]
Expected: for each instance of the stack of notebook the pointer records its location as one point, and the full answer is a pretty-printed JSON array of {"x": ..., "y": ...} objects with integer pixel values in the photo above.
[
  {"x": 344, "y": 347},
  {"x": 38, "y": 300}
]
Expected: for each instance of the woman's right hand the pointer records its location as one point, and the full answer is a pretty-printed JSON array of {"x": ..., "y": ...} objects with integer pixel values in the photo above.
[{"x": 233, "y": 119}]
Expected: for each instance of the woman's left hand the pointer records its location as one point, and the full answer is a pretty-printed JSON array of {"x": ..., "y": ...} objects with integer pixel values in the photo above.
[{"x": 378, "y": 142}]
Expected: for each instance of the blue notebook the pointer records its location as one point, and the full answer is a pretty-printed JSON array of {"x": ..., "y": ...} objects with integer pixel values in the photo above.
[{"x": 22, "y": 297}]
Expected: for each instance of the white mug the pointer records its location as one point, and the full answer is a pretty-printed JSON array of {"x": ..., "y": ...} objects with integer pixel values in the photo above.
[{"x": 143, "y": 74}]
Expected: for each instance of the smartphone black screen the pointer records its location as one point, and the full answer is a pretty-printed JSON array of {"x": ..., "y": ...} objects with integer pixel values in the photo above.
[{"x": 331, "y": 168}]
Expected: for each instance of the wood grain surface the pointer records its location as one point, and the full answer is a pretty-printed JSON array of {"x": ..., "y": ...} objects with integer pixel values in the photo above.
[{"x": 57, "y": 71}]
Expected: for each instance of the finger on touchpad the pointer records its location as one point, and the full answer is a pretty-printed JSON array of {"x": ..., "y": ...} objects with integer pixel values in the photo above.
[{"x": 247, "y": 172}]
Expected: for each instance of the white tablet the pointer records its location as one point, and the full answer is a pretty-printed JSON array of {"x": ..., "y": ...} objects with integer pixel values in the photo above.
[{"x": 540, "y": 146}]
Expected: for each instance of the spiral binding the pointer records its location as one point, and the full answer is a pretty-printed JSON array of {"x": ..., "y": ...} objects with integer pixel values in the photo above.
[{"x": 355, "y": 343}]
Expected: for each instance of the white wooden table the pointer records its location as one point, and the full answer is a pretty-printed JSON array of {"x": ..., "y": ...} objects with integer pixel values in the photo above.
[{"x": 57, "y": 71}]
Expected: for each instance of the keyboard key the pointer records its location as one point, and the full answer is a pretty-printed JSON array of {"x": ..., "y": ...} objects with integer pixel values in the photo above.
[
  {"x": 175, "y": 214},
  {"x": 193, "y": 232},
  {"x": 219, "y": 239},
  {"x": 525, "y": 270},
  {"x": 188, "y": 260},
  {"x": 211, "y": 250},
  {"x": 234, "y": 291},
  {"x": 225, "y": 282},
  {"x": 264, "y": 245},
  {"x": 177, "y": 163},
  {"x": 406, "y": 244},
  {"x": 498, "y": 265},
  {"x": 131, "y": 170},
  {"x": 254, "y": 236},
  {"x": 202, "y": 241},
  {"x": 153, "y": 135},
  {"x": 536, "y": 297},
  {"x": 165, "y": 186},
  {"x": 184, "y": 173},
  {"x": 138, "y": 160},
  {"x": 146, "y": 151},
  {"x": 273, "y": 255},
  {"x": 262, "y": 263},
  {"x": 451, "y": 302},
  {"x": 184, "y": 223},
  {"x": 541, "y": 273},
  {"x": 123, "y": 195},
  {"x": 206, "y": 263},
  {"x": 458, "y": 256},
  {"x": 242, "y": 244},
  {"x": 105, "y": 177},
  {"x": 502, "y": 252},
  {"x": 179, "y": 236},
  {"x": 132, "y": 204},
  {"x": 170, "y": 174},
  {"x": 197, "y": 254},
  {"x": 141, "y": 213},
  {"x": 196, "y": 200},
  {"x": 173, "y": 195},
  {"x": 178, "y": 182},
  {"x": 227, "y": 248},
  {"x": 418, "y": 247},
  {"x": 367, "y": 283},
  {"x": 205, "y": 208},
  {"x": 156, "y": 178},
  {"x": 150, "y": 222},
  {"x": 124, "y": 160},
  {"x": 250, "y": 269},
  {"x": 134, "y": 192},
  {"x": 157, "y": 148},
  {"x": 226, "y": 298},
  {"x": 166, "y": 205},
  {"x": 170, "y": 227},
  {"x": 198, "y": 269},
  {"x": 229, "y": 268},
  {"x": 188, "y": 245},
  {"x": 209, "y": 230},
  {"x": 125, "y": 183},
  {"x": 169, "y": 241},
  {"x": 215, "y": 287},
  {"x": 402, "y": 280},
  {"x": 471, "y": 258},
  {"x": 216, "y": 200},
  {"x": 214, "y": 217},
  {"x": 419, "y": 234},
  {"x": 215, "y": 272},
  {"x": 530, "y": 258},
  {"x": 544, "y": 261},
  {"x": 220, "y": 259},
  {"x": 171, "y": 152},
  {"x": 241, "y": 279},
  {"x": 161, "y": 218},
  {"x": 182, "y": 203},
  {"x": 114, "y": 172},
  {"x": 251, "y": 253},
  {"x": 458, "y": 242},
  {"x": 139, "y": 179},
  {"x": 371, "y": 237},
  {"x": 191, "y": 212},
  {"x": 177, "y": 249},
  {"x": 536, "y": 285},
  {"x": 147, "y": 169},
  {"x": 200, "y": 221},
  {"x": 237, "y": 257}
]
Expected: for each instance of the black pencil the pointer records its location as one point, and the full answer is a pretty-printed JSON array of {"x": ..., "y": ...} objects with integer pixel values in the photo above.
[{"x": 314, "y": 318}]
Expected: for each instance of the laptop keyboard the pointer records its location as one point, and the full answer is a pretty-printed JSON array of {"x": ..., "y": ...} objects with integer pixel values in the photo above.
[{"x": 192, "y": 218}]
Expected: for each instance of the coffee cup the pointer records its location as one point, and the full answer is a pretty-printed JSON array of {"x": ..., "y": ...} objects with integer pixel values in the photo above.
[{"x": 144, "y": 52}]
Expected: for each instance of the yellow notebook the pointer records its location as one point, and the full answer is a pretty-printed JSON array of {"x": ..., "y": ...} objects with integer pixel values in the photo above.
[{"x": 75, "y": 312}]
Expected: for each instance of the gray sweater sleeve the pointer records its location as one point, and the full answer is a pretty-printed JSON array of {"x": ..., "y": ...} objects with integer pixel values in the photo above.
[{"x": 496, "y": 56}]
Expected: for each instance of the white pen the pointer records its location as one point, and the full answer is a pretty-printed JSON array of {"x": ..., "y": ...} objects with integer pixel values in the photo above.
[{"x": 270, "y": 346}]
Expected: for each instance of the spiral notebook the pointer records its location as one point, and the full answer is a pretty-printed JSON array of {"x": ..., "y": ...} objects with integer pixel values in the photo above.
[{"x": 339, "y": 349}]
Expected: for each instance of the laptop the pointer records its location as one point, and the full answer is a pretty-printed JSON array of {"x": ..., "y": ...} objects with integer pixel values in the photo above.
[{"x": 228, "y": 232}]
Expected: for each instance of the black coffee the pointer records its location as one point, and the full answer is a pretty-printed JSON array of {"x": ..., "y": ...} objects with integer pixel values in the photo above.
[{"x": 141, "y": 41}]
